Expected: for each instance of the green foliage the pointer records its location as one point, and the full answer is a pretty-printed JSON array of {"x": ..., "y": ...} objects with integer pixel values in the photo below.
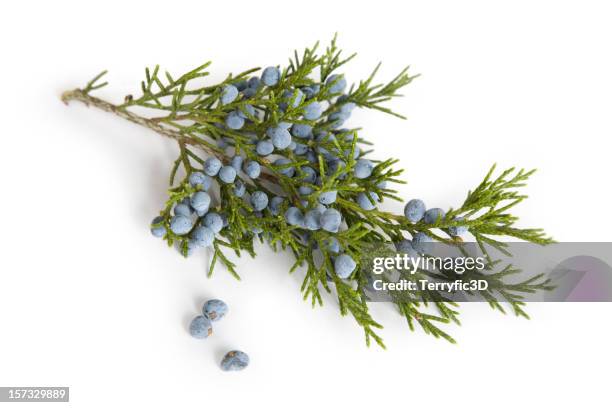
[{"x": 185, "y": 109}]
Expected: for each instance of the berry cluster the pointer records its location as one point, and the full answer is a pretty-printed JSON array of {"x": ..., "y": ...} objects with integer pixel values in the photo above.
[
  {"x": 201, "y": 327},
  {"x": 307, "y": 152}
]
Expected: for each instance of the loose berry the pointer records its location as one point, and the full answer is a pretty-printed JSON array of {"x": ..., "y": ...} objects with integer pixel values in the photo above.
[
  {"x": 215, "y": 309},
  {"x": 235, "y": 360},
  {"x": 200, "y": 327}
]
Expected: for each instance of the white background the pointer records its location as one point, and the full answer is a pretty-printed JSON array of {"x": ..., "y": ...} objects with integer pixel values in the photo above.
[{"x": 88, "y": 299}]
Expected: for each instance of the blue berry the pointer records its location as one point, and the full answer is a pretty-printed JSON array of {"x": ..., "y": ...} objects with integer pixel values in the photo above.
[
  {"x": 235, "y": 360},
  {"x": 259, "y": 200},
  {"x": 256, "y": 229},
  {"x": 363, "y": 168},
  {"x": 200, "y": 201},
  {"x": 239, "y": 188},
  {"x": 356, "y": 152},
  {"x": 405, "y": 246},
  {"x": 249, "y": 92},
  {"x": 203, "y": 236},
  {"x": 325, "y": 153},
  {"x": 459, "y": 229},
  {"x": 200, "y": 327},
  {"x": 212, "y": 165},
  {"x": 331, "y": 220},
  {"x": 310, "y": 91},
  {"x": 286, "y": 171},
  {"x": 183, "y": 209},
  {"x": 234, "y": 121},
  {"x": 421, "y": 242},
  {"x": 339, "y": 118},
  {"x": 187, "y": 248},
  {"x": 200, "y": 180},
  {"x": 215, "y": 309},
  {"x": 252, "y": 169},
  {"x": 180, "y": 224},
  {"x": 347, "y": 107},
  {"x": 312, "y": 220},
  {"x": 228, "y": 94},
  {"x": 433, "y": 214},
  {"x": 335, "y": 165},
  {"x": 264, "y": 147},
  {"x": 344, "y": 265},
  {"x": 337, "y": 82},
  {"x": 328, "y": 197},
  {"x": 325, "y": 137},
  {"x": 414, "y": 210},
  {"x": 281, "y": 138},
  {"x": 270, "y": 76},
  {"x": 305, "y": 190},
  {"x": 241, "y": 85},
  {"x": 222, "y": 143},
  {"x": 253, "y": 83},
  {"x": 311, "y": 156},
  {"x": 237, "y": 162},
  {"x": 160, "y": 230},
  {"x": 227, "y": 174},
  {"x": 297, "y": 97},
  {"x": 300, "y": 149},
  {"x": 332, "y": 245},
  {"x": 213, "y": 221},
  {"x": 310, "y": 175},
  {"x": 275, "y": 204},
  {"x": 365, "y": 203},
  {"x": 294, "y": 216},
  {"x": 301, "y": 130},
  {"x": 249, "y": 109}
]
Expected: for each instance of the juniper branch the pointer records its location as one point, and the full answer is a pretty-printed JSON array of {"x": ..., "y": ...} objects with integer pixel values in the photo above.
[{"x": 183, "y": 109}]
